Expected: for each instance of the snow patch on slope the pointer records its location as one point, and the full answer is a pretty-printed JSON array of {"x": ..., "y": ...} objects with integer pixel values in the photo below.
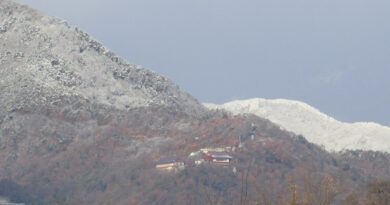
[{"x": 314, "y": 125}]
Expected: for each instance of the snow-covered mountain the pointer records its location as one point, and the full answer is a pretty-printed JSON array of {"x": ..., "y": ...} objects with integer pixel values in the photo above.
[
  {"x": 315, "y": 126},
  {"x": 44, "y": 61}
]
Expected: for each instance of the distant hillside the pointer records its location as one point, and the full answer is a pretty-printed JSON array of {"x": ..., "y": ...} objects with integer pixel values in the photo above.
[
  {"x": 79, "y": 125},
  {"x": 300, "y": 118}
]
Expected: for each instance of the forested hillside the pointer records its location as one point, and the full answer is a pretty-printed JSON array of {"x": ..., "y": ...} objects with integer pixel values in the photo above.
[{"x": 79, "y": 125}]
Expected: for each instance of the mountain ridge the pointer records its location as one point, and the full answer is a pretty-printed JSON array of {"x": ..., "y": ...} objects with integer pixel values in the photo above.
[
  {"x": 79, "y": 125},
  {"x": 316, "y": 126},
  {"x": 55, "y": 60}
]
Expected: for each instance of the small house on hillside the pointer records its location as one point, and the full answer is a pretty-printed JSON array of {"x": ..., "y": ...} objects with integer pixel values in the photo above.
[
  {"x": 169, "y": 164},
  {"x": 218, "y": 158}
]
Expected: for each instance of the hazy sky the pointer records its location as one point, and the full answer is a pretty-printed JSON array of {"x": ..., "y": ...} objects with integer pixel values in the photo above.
[{"x": 333, "y": 54}]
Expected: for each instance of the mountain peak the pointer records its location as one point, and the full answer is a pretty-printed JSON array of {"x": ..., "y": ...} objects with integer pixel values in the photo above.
[{"x": 42, "y": 60}]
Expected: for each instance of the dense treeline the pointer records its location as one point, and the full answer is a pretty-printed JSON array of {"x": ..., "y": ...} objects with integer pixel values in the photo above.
[{"x": 69, "y": 157}]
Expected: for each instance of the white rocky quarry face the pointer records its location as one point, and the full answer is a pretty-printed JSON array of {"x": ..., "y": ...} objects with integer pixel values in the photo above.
[
  {"x": 42, "y": 55},
  {"x": 316, "y": 127}
]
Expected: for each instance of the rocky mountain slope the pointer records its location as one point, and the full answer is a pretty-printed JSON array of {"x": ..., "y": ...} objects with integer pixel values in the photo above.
[
  {"x": 318, "y": 128},
  {"x": 44, "y": 61},
  {"x": 79, "y": 125}
]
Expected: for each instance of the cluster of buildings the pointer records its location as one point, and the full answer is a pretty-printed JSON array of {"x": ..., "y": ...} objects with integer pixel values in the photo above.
[{"x": 215, "y": 156}]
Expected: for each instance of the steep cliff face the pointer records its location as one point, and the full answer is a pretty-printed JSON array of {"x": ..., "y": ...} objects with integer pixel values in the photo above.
[{"x": 44, "y": 61}]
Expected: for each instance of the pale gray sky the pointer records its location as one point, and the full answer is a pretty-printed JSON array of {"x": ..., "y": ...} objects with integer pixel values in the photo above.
[{"x": 333, "y": 54}]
